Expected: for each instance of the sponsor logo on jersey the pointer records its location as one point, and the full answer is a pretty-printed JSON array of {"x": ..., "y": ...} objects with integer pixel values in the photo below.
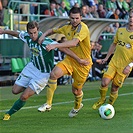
[
  {"x": 35, "y": 51},
  {"x": 128, "y": 46},
  {"x": 131, "y": 36},
  {"x": 79, "y": 84}
]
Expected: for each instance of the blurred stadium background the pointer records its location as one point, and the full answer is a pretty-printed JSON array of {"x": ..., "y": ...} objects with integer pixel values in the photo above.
[{"x": 14, "y": 54}]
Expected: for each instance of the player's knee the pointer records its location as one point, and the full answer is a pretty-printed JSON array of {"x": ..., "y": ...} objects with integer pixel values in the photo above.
[
  {"x": 17, "y": 89},
  {"x": 24, "y": 97},
  {"x": 14, "y": 90},
  {"x": 53, "y": 75},
  {"x": 56, "y": 73},
  {"x": 76, "y": 92},
  {"x": 105, "y": 82}
]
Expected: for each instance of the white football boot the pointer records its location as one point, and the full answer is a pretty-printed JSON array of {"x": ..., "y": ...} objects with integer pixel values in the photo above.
[
  {"x": 44, "y": 107},
  {"x": 74, "y": 112}
]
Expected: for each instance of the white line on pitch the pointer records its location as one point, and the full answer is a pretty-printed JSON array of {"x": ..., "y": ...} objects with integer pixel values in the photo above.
[{"x": 60, "y": 103}]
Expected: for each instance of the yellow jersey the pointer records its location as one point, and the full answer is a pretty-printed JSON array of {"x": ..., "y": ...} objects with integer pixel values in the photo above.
[
  {"x": 83, "y": 49},
  {"x": 123, "y": 54}
]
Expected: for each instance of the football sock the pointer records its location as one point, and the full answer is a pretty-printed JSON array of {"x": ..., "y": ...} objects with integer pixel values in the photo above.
[
  {"x": 112, "y": 98},
  {"x": 103, "y": 91},
  {"x": 78, "y": 100},
  {"x": 17, "y": 106},
  {"x": 52, "y": 85}
]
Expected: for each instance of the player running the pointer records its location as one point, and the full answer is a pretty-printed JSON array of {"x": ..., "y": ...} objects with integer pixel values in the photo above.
[
  {"x": 34, "y": 76},
  {"x": 120, "y": 65},
  {"x": 78, "y": 40}
]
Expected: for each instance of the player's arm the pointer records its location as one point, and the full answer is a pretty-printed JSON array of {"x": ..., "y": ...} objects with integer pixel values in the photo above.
[
  {"x": 110, "y": 52},
  {"x": 128, "y": 68},
  {"x": 9, "y": 32},
  {"x": 66, "y": 44},
  {"x": 67, "y": 51},
  {"x": 47, "y": 33}
]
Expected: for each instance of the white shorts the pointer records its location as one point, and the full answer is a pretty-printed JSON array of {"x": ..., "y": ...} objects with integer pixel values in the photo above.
[{"x": 33, "y": 78}]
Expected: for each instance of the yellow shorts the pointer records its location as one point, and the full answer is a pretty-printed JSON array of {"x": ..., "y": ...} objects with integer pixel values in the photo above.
[
  {"x": 116, "y": 75},
  {"x": 79, "y": 74}
]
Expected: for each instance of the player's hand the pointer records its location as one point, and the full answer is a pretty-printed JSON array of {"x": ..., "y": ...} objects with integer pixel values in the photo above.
[
  {"x": 1, "y": 31},
  {"x": 99, "y": 61},
  {"x": 41, "y": 39},
  {"x": 103, "y": 61},
  {"x": 127, "y": 70},
  {"x": 50, "y": 47},
  {"x": 84, "y": 62}
]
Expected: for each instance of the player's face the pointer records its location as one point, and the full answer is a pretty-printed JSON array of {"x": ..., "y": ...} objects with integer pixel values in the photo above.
[
  {"x": 131, "y": 19},
  {"x": 75, "y": 19},
  {"x": 33, "y": 33}
]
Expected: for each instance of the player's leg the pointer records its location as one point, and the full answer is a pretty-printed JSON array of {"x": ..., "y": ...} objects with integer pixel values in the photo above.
[
  {"x": 19, "y": 103},
  {"x": 79, "y": 77},
  {"x": 112, "y": 97},
  {"x": 103, "y": 90},
  {"x": 52, "y": 83},
  {"x": 16, "y": 90},
  {"x": 116, "y": 84},
  {"x": 78, "y": 93},
  {"x": 20, "y": 85},
  {"x": 113, "y": 94},
  {"x": 107, "y": 78},
  {"x": 56, "y": 73}
]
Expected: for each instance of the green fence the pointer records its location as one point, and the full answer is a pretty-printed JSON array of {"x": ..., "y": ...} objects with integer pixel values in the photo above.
[
  {"x": 14, "y": 13},
  {"x": 105, "y": 45},
  {"x": 11, "y": 48}
]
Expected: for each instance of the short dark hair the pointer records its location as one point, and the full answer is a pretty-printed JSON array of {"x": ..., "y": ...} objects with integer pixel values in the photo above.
[
  {"x": 32, "y": 25},
  {"x": 75, "y": 10}
]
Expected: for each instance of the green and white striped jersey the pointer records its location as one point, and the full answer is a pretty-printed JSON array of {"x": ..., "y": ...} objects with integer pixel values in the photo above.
[{"x": 42, "y": 59}]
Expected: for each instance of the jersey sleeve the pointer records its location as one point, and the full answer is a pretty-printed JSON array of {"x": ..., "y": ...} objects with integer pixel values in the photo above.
[
  {"x": 54, "y": 42},
  {"x": 22, "y": 36},
  {"x": 61, "y": 29},
  {"x": 48, "y": 41},
  {"x": 58, "y": 30}
]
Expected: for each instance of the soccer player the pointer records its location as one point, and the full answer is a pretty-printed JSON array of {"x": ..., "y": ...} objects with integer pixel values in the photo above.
[
  {"x": 34, "y": 76},
  {"x": 120, "y": 65},
  {"x": 78, "y": 40}
]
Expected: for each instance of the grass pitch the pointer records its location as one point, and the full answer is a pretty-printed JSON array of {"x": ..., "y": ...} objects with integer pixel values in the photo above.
[{"x": 29, "y": 120}]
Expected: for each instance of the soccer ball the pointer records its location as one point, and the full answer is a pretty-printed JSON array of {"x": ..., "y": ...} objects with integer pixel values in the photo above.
[{"x": 106, "y": 111}]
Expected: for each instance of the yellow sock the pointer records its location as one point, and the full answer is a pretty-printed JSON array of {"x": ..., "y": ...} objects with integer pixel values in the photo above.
[
  {"x": 78, "y": 100},
  {"x": 103, "y": 91},
  {"x": 113, "y": 97},
  {"x": 52, "y": 85}
]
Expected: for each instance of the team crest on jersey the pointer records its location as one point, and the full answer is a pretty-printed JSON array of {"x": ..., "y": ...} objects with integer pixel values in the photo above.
[
  {"x": 79, "y": 84},
  {"x": 131, "y": 36},
  {"x": 35, "y": 51},
  {"x": 128, "y": 46}
]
